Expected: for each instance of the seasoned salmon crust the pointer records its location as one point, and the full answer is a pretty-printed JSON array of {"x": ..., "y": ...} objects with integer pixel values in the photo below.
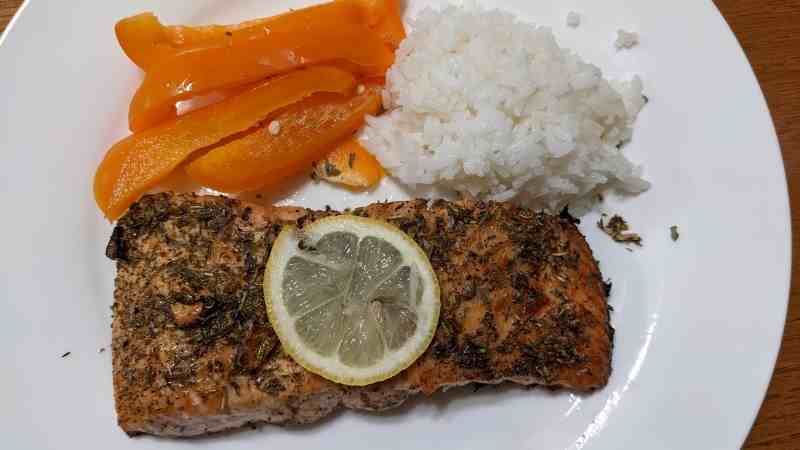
[{"x": 522, "y": 300}]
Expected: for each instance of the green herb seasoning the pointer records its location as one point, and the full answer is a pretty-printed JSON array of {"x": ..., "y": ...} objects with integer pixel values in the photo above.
[
  {"x": 618, "y": 229},
  {"x": 331, "y": 170},
  {"x": 673, "y": 233}
]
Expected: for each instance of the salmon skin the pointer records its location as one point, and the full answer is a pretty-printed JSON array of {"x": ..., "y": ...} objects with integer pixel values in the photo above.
[{"x": 523, "y": 301}]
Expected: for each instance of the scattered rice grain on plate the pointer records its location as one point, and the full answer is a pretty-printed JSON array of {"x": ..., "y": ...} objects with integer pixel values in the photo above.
[
  {"x": 573, "y": 19},
  {"x": 626, "y": 39},
  {"x": 480, "y": 102}
]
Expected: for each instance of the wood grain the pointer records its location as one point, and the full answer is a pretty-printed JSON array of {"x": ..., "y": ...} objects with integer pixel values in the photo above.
[
  {"x": 7, "y": 10},
  {"x": 769, "y": 31}
]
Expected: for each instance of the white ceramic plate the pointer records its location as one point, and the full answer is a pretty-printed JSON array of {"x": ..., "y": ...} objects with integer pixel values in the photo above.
[{"x": 699, "y": 321}]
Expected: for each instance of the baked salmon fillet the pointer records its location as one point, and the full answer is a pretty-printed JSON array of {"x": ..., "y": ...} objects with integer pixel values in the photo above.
[{"x": 193, "y": 351}]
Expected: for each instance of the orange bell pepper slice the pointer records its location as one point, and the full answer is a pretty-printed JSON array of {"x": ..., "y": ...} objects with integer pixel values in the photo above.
[
  {"x": 307, "y": 131},
  {"x": 138, "y": 162},
  {"x": 351, "y": 165},
  {"x": 385, "y": 17},
  {"x": 337, "y": 14},
  {"x": 145, "y": 40},
  {"x": 194, "y": 72}
]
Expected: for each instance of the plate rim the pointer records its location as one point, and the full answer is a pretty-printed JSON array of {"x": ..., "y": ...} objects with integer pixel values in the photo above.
[
  {"x": 787, "y": 219},
  {"x": 785, "y": 205}
]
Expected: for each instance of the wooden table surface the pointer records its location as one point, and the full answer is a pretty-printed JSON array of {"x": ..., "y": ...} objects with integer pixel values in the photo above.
[{"x": 769, "y": 31}]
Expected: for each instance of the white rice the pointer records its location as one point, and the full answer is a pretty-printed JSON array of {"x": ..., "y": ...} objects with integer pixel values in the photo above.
[
  {"x": 479, "y": 102},
  {"x": 626, "y": 39},
  {"x": 573, "y": 19}
]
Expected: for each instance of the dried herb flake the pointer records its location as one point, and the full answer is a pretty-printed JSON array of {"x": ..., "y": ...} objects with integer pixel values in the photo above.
[
  {"x": 331, "y": 170},
  {"x": 673, "y": 232},
  {"x": 618, "y": 229}
]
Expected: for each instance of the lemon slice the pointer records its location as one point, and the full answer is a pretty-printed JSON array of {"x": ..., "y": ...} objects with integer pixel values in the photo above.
[{"x": 354, "y": 300}]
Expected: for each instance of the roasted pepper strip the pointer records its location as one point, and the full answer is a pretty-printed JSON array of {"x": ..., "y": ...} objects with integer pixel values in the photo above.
[
  {"x": 195, "y": 72},
  {"x": 145, "y": 40},
  {"x": 337, "y": 14},
  {"x": 350, "y": 164},
  {"x": 139, "y": 162},
  {"x": 292, "y": 141},
  {"x": 384, "y": 16}
]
